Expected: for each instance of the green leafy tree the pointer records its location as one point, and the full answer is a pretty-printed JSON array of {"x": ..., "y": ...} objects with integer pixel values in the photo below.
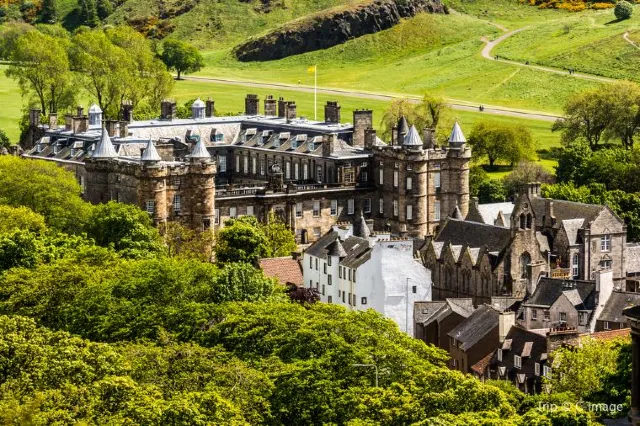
[
  {"x": 430, "y": 112},
  {"x": 503, "y": 142},
  {"x": 40, "y": 65},
  {"x": 49, "y": 12},
  {"x": 623, "y": 10},
  {"x": 491, "y": 191},
  {"x": 104, "y": 9},
  {"x": 181, "y": 57},
  {"x": 280, "y": 240},
  {"x": 12, "y": 218},
  {"x": 524, "y": 173},
  {"x": 185, "y": 243},
  {"x": 124, "y": 227},
  {"x": 46, "y": 189},
  {"x": 241, "y": 240},
  {"x": 4, "y": 140},
  {"x": 19, "y": 249},
  {"x": 477, "y": 176},
  {"x": 88, "y": 13}
]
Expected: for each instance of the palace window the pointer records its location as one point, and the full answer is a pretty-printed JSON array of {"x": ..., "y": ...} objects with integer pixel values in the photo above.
[
  {"x": 316, "y": 208},
  {"x": 238, "y": 163},
  {"x": 305, "y": 171},
  {"x": 299, "y": 209},
  {"x": 329, "y": 299},
  {"x": 575, "y": 265},
  {"x": 233, "y": 212},
  {"x": 254, "y": 165},
  {"x": 381, "y": 176},
  {"x": 334, "y": 207},
  {"x": 547, "y": 372},
  {"x": 363, "y": 300},
  {"x": 537, "y": 369},
  {"x": 436, "y": 210},
  {"x": 350, "y": 206},
  {"x": 381, "y": 205},
  {"x": 364, "y": 176},
  {"x": 409, "y": 184},
  {"x": 151, "y": 206},
  {"x": 605, "y": 264},
  {"x": 222, "y": 163},
  {"x": 262, "y": 166},
  {"x": 367, "y": 205},
  {"x": 395, "y": 207},
  {"x": 287, "y": 170},
  {"x": 317, "y": 232},
  {"x": 409, "y": 212},
  {"x": 395, "y": 178},
  {"x": 296, "y": 171},
  {"x": 534, "y": 314},
  {"x": 329, "y": 280},
  {"x": 499, "y": 354},
  {"x": 547, "y": 315},
  {"x": 246, "y": 164},
  {"x": 582, "y": 317},
  {"x": 605, "y": 243},
  {"x": 436, "y": 179},
  {"x": 176, "y": 203},
  {"x": 606, "y": 325}
]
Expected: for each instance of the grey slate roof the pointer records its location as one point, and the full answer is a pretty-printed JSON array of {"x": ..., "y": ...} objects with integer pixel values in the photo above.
[
  {"x": 532, "y": 347},
  {"x": 403, "y": 126},
  {"x": 360, "y": 228},
  {"x": 336, "y": 249},
  {"x": 489, "y": 212},
  {"x": 436, "y": 311},
  {"x": 150, "y": 153},
  {"x": 412, "y": 138},
  {"x": 566, "y": 210},
  {"x": 571, "y": 227},
  {"x": 357, "y": 250},
  {"x": 548, "y": 290},
  {"x": 475, "y": 327},
  {"x": 200, "y": 151},
  {"x": 105, "y": 148},
  {"x": 618, "y": 302},
  {"x": 474, "y": 234}
]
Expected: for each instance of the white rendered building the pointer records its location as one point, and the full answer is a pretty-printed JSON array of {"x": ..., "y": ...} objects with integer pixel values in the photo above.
[{"x": 365, "y": 271}]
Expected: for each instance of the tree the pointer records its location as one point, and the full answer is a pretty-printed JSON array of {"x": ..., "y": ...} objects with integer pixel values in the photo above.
[
  {"x": 19, "y": 249},
  {"x": 185, "y": 243},
  {"x": 625, "y": 123},
  {"x": 124, "y": 227},
  {"x": 12, "y": 218},
  {"x": 181, "y": 57},
  {"x": 430, "y": 112},
  {"x": 280, "y": 239},
  {"x": 46, "y": 189},
  {"x": 104, "y": 9},
  {"x": 87, "y": 13},
  {"x": 491, "y": 191},
  {"x": 524, "y": 173},
  {"x": 48, "y": 12},
  {"x": 477, "y": 176},
  {"x": 241, "y": 240},
  {"x": 501, "y": 142},
  {"x": 623, "y": 10},
  {"x": 41, "y": 66},
  {"x": 4, "y": 140}
]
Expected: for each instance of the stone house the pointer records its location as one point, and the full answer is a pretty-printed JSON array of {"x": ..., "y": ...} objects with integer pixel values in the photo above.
[
  {"x": 612, "y": 317},
  {"x": 434, "y": 320}
]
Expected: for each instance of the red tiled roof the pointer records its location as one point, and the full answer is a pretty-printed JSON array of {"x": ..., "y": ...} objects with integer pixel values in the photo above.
[
  {"x": 480, "y": 366},
  {"x": 285, "y": 269},
  {"x": 611, "y": 334}
]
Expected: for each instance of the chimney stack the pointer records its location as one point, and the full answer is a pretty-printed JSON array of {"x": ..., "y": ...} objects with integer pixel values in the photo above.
[
  {"x": 270, "y": 108},
  {"x": 562, "y": 336},
  {"x": 68, "y": 122},
  {"x": 290, "y": 111},
  {"x": 281, "y": 106},
  {"x": 549, "y": 217},
  {"x": 79, "y": 124},
  {"x": 110, "y": 127},
  {"x": 332, "y": 112},
  {"x": 369, "y": 138},
  {"x": 124, "y": 129},
  {"x": 362, "y": 120},
  {"x": 428, "y": 137},
  {"x": 126, "y": 110},
  {"x": 329, "y": 144},
  {"x": 506, "y": 320},
  {"x": 251, "y": 105},
  {"x": 533, "y": 189},
  {"x": 168, "y": 110},
  {"x": 80, "y": 111},
  {"x": 53, "y": 121},
  {"x": 209, "y": 108},
  {"x": 34, "y": 117}
]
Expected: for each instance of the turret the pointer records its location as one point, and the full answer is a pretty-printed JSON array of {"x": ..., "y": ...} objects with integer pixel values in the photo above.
[
  {"x": 105, "y": 149},
  {"x": 198, "y": 109},
  {"x": 95, "y": 115},
  {"x": 150, "y": 154}
]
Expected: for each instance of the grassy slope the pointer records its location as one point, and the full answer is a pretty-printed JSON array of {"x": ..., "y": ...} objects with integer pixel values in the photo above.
[
  {"x": 11, "y": 105},
  {"x": 589, "y": 42},
  {"x": 428, "y": 53}
]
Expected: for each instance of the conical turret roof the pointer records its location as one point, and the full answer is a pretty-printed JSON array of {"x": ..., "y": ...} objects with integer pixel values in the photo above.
[
  {"x": 336, "y": 249},
  {"x": 150, "y": 153},
  {"x": 457, "y": 214},
  {"x": 412, "y": 138},
  {"x": 105, "y": 148},
  {"x": 360, "y": 229},
  {"x": 456, "y": 135},
  {"x": 200, "y": 151},
  {"x": 403, "y": 126}
]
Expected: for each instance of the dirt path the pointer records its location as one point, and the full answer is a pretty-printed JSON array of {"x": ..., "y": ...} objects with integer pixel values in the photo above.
[
  {"x": 453, "y": 103},
  {"x": 491, "y": 44},
  {"x": 628, "y": 40}
]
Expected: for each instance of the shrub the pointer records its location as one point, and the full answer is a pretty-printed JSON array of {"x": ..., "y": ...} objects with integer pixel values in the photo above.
[{"x": 623, "y": 10}]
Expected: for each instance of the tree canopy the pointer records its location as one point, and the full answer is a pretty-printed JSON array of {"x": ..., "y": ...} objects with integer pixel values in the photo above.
[
  {"x": 181, "y": 57},
  {"x": 501, "y": 142},
  {"x": 430, "y": 112}
]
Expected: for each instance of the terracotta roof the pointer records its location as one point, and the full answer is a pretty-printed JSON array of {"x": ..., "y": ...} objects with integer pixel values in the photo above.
[
  {"x": 610, "y": 334},
  {"x": 285, "y": 269},
  {"x": 481, "y": 366}
]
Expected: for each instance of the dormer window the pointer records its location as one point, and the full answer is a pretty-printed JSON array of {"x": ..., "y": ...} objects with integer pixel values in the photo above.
[
  {"x": 311, "y": 146},
  {"x": 284, "y": 135},
  {"x": 294, "y": 144},
  {"x": 219, "y": 137}
]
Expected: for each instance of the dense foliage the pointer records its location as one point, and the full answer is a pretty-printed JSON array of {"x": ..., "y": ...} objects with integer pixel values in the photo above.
[
  {"x": 181, "y": 57},
  {"x": 431, "y": 112},
  {"x": 623, "y": 10},
  {"x": 501, "y": 142}
]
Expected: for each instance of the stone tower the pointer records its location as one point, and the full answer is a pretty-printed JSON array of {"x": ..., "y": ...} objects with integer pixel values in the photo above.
[{"x": 200, "y": 189}]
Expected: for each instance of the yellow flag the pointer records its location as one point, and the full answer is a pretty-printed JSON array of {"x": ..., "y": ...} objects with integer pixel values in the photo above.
[{"x": 311, "y": 69}]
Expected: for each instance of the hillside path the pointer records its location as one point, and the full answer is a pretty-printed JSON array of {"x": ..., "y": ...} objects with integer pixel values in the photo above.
[
  {"x": 491, "y": 44},
  {"x": 628, "y": 40},
  {"x": 453, "y": 103}
]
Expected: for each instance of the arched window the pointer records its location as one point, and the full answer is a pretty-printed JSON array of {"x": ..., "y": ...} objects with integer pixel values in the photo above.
[
  {"x": 529, "y": 220},
  {"x": 525, "y": 260},
  {"x": 522, "y": 221}
]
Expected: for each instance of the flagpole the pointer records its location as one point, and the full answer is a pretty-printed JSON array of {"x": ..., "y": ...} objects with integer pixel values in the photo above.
[{"x": 315, "y": 92}]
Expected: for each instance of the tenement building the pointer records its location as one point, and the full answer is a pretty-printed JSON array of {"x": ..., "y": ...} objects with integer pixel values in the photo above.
[{"x": 206, "y": 169}]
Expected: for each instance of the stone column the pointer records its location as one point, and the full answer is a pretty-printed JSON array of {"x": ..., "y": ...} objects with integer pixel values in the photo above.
[{"x": 633, "y": 315}]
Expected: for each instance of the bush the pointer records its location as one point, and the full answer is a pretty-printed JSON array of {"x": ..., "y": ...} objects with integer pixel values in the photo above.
[{"x": 623, "y": 10}]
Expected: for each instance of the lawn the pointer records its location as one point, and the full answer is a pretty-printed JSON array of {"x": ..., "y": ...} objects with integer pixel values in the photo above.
[{"x": 10, "y": 106}]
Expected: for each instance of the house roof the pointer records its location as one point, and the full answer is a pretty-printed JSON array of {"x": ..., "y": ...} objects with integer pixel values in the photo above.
[
  {"x": 489, "y": 212},
  {"x": 566, "y": 210},
  {"x": 530, "y": 346},
  {"x": 336, "y": 249},
  {"x": 356, "y": 249},
  {"x": 481, "y": 366},
  {"x": 571, "y": 227},
  {"x": 285, "y": 269},
  {"x": 474, "y": 234},
  {"x": 633, "y": 313},
  {"x": 548, "y": 290},
  {"x": 480, "y": 323},
  {"x": 610, "y": 334},
  {"x": 618, "y": 302}
]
